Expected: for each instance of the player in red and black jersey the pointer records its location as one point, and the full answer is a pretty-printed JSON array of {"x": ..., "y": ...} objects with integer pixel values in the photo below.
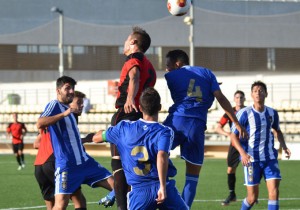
[
  {"x": 17, "y": 131},
  {"x": 137, "y": 74},
  {"x": 233, "y": 155}
]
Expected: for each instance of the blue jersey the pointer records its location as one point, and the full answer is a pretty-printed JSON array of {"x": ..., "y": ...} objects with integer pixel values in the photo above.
[
  {"x": 259, "y": 125},
  {"x": 192, "y": 89},
  {"x": 138, "y": 143},
  {"x": 65, "y": 138}
]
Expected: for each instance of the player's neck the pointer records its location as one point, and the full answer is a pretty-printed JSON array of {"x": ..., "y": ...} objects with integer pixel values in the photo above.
[
  {"x": 260, "y": 107},
  {"x": 150, "y": 118}
]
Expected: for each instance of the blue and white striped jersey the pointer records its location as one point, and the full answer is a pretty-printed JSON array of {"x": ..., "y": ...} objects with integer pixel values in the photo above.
[
  {"x": 65, "y": 138},
  {"x": 259, "y": 125}
]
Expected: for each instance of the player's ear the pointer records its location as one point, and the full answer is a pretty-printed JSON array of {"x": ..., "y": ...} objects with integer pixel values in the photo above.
[{"x": 140, "y": 108}]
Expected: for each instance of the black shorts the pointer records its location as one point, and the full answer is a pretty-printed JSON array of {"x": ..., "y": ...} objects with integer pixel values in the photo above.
[
  {"x": 233, "y": 157},
  {"x": 17, "y": 147},
  {"x": 119, "y": 116},
  {"x": 44, "y": 175}
]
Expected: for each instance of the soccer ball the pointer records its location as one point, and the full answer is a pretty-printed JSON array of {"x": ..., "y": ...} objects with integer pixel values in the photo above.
[{"x": 178, "y": 7}]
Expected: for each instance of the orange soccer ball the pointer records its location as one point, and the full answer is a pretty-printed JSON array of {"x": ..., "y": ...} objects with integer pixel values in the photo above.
[{"x": 178, "y": 7}]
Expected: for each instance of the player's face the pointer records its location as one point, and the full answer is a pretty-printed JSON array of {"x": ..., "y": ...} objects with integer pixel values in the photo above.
[
  {"x": 77, "y": 104},
  {"x": 239, "y": 100},
  {"x": 170, "y": 65},
  {"x": 258, "y": 94},
  {"x": 15, "y": 117},
  {"x": 128, "y": 45},
  {"x": 65, "y": 94}
]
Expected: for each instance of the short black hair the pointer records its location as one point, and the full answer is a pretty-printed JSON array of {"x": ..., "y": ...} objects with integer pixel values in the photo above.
[
  {"x": 142, "y": 37},
  {"x": 150, "y": 101},
  {"x": 63, "y": 80},
  {"x": 239, "y": 92},
  {"x": 178, "y": 55},
  {"x": 259, "y": 83}
]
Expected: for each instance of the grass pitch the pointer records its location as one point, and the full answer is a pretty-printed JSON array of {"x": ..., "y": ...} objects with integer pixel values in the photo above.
[{"x": 19, "y": 189}]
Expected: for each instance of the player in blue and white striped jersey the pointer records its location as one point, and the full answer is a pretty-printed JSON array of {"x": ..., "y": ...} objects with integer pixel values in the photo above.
[
  {"x": 258, "y": 154},
  {"x": 72, "y": 164}
]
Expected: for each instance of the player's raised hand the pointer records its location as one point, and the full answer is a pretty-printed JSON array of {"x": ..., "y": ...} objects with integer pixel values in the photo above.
[{"x": 130, "y": 106}]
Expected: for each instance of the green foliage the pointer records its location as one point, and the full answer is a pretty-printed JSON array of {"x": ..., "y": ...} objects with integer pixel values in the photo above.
[{"x": 19, "y": 189}]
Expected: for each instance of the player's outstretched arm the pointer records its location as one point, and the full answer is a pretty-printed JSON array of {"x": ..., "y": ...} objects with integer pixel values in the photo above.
[
  {"x": 245, "y": 158},
  {"x": 99, "y": 137},
  {"x": 162, "y": 168}
]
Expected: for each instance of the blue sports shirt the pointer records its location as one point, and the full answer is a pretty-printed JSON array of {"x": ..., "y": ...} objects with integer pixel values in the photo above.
[
  {"x": 192, "y": 89},
  {"x": 138, "y": 143},
  {"x": 65, "y": 138},
  {"x": 259, "y": 125}
]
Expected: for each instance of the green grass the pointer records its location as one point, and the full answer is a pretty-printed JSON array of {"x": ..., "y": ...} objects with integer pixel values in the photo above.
[{"x": 19, "y": 189}]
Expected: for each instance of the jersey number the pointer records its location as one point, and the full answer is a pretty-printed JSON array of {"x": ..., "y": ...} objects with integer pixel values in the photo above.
[
  {"x": 143, "y": 160},
  {"x": 197, "y": 93}
]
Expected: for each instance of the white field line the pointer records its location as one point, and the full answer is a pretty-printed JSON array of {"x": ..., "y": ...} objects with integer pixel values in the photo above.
[{"x": 42, "y": 207}]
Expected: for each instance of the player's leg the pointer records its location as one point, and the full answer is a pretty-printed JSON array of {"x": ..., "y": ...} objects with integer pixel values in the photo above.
[
  {"x": 46, "y": 185},
  {"x": 232, "y": 163},
  {"x": 61, "y": 201},
  {"x": 273, "y": 177},
  {"x": 21, "y": 154},
  {"x": 253, "y": 174},
  {"x": 273, "y": 191},
  {"x": 15, "y": 148},
  {"x": 252, "y": 196},
  {"x": 78, "y": 200},
  {"x": 191, "y": 182},
  {"x": 192, "y": 151},
  {"x": 120, "y": 182}
]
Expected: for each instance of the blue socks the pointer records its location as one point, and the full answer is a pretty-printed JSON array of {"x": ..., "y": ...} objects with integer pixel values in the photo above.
[
  {"x": 245, "y": 205},
  {"x": 273, "y": 205},
  {"x": 189, "y": 190}
]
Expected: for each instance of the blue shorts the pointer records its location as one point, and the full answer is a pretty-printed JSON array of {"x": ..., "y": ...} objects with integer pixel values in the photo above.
[
  {"x": 254, "y": 172},
  {"x": 189, "y": 134},
  {"x": 143, "y": 197},
  {"x": 68, "y": 180}
]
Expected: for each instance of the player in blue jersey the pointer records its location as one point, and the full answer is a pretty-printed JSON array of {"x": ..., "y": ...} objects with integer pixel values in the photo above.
[
  {"x": 193, "y": 90},
  {"x": 144, "y": 150},
  {"x": 72, "y": 164},
  {"x": 259, "y": 156}
]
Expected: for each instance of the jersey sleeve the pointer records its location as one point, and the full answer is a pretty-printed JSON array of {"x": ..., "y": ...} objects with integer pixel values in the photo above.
[
  {"x": 275, "y": 124},
  {"x": 166, "y": 140},
  {"x": 215, "y": 85},
  {"x": 224, "y": 119},
  {"x": 52, "y": 108},
  {"x": 112, "y": 134}
]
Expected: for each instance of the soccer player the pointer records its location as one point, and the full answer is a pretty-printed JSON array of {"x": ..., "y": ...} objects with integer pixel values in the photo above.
[
  {"x": 136, "y": 75},
  {"x": 259, "y": 156},
  {"x": 45, "y": 162},
  {"x": 144, "y": 147},
  {"x": 73, "y": 166},
  {"x": 233, "y": 157},
  {"x": 193, "y": 89},
  {"x": 17, "y": 131}
]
